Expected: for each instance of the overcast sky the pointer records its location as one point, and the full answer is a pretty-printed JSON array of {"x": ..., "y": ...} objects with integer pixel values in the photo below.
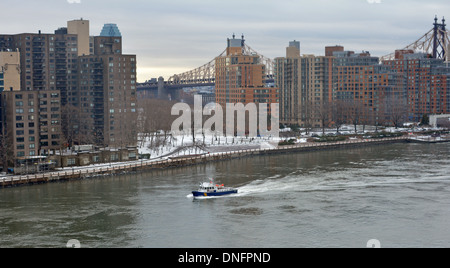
[{"x": 174, "y": 36}]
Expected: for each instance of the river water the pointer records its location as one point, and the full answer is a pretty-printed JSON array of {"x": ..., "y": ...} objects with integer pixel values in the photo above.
[{"x": 398, "y": 194}]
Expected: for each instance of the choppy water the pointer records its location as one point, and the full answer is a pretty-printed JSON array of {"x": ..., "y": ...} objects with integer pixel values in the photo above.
[{"x": 398, "y": 194}]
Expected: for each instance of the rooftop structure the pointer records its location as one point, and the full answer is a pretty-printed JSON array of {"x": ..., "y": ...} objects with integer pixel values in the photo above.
[{"x": 110, "y": 30}]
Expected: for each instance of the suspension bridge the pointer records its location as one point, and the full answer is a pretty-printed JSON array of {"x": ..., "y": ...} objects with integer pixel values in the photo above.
[{"x": 435, "y": 43}]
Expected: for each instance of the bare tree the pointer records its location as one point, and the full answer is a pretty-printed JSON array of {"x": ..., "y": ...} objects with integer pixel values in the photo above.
[
  {"x": 323, "y": 112},
  {"x": 78, "y": 128},
  {"x": 307, "y": 115},
  {"x": 6, "y": 148},
  {"x": 70, "y": 123},
  {"x": 339, "y": 111},
  {"x": 154, "y": 118},
  {"x": 396, "y": 109},
  {"x": 355, "y": 112}
]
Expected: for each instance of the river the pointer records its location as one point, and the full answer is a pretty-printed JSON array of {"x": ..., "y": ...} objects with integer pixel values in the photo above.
[{"x": 398, "y": 194}]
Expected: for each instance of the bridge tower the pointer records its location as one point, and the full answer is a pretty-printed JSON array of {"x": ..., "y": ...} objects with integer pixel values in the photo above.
[
  {"x": 162, "y": 92},
  {"x": 435, "y": 42},
  {"x": 439, "y": 38}
]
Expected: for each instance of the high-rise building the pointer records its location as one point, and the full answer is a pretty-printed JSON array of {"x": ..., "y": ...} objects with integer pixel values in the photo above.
[
  {"x": 240, "y": 77},
  {"x": 30, "y": 119},
  {"x": 94, "y": 81},
  {"x": 48, "y": 61},
  {"x": 360, "y": 89},
  {"x": 305, "y": 84},
  {"x": 108, "y": 98},
  {"x": 80, "y": 28},
  {"x": 32, "y": 122},
  {"x": 362, "y": 85},
  {"x": 107, "y": 87},
  {"x": 287, "y": 75},
  {"x": 425, "y": 82},
  {"x": 316, "y": 87}
]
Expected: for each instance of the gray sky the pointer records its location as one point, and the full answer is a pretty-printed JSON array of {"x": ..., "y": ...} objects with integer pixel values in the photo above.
[{"x": 174, "y": 36}]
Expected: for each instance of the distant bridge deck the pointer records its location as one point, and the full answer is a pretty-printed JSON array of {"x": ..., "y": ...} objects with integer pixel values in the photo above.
[
  {"x": 185, "y": 84},
  {"x": 167, "y": 85}
]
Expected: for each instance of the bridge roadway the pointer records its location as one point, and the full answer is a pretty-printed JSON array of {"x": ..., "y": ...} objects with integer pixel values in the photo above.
[
  {"x": 154, "y": 86},
  {"x": 165, "y": 87}
]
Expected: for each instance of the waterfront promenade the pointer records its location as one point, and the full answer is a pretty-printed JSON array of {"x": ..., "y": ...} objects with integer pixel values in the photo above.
[{"x": 77, "y": 173}]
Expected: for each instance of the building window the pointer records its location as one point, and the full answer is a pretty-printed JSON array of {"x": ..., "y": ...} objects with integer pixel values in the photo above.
[
  {"x": 114, "y": 157},
  {"x": 71, "y": 161}
]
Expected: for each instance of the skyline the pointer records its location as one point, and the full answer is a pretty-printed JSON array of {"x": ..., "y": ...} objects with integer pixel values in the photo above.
[{"x": 171, "y": 37}]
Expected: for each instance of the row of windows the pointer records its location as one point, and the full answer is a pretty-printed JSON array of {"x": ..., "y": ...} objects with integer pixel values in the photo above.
[
  {"x": 40, "y": 96},
  {"x": 22, "y": 154}
]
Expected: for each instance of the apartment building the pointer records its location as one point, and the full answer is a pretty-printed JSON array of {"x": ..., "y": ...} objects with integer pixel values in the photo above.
[
  {"x": 48, "y": 61},
  {"x": 32, "y": 120},
  {"x": 425, "y": 81},
  {"x": 362, "y": 84},
  {"x": 240, "y": 77},
  {"x": 287, "y": 76},
  {"x": 108, "y": 98},
  {"x": 95, "y": 81},
  {"x": 305, "y": 84}
]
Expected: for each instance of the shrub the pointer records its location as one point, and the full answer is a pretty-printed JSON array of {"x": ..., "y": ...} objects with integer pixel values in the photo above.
[
  {"x": 287, "y": 142},
  {"x": 331, "y": 139}
]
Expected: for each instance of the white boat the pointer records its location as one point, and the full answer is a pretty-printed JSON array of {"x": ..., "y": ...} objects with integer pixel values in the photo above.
[{"x": 209, "y": 189}]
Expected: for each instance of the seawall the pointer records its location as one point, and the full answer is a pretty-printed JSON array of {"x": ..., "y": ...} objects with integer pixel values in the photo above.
[{"x": 136, "y": 166}]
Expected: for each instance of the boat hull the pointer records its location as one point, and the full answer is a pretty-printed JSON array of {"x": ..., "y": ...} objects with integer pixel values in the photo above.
[{"x": 211, "y": 194}]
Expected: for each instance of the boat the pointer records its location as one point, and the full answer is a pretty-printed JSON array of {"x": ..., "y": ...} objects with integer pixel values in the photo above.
[{"x": 210, "y": 189}]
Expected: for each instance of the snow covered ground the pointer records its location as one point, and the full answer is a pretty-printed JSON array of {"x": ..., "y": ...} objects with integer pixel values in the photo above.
[{"x": 186, "y": 145}]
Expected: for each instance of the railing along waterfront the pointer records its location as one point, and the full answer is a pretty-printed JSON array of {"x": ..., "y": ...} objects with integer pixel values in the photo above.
[{"x": 85, "y": 172}]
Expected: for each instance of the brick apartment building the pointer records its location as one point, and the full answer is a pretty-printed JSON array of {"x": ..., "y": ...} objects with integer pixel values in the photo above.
[
  {"x": 305, "y": 84},
  {"x": 73, "y": 89},
  {"x": 395, "y": 91},
  {"x": 425, "y": 81},
  {"x": 240, "y": 77}
]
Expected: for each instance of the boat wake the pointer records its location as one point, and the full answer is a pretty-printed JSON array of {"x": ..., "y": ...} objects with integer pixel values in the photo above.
[{"x": 328, "y": 181}]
